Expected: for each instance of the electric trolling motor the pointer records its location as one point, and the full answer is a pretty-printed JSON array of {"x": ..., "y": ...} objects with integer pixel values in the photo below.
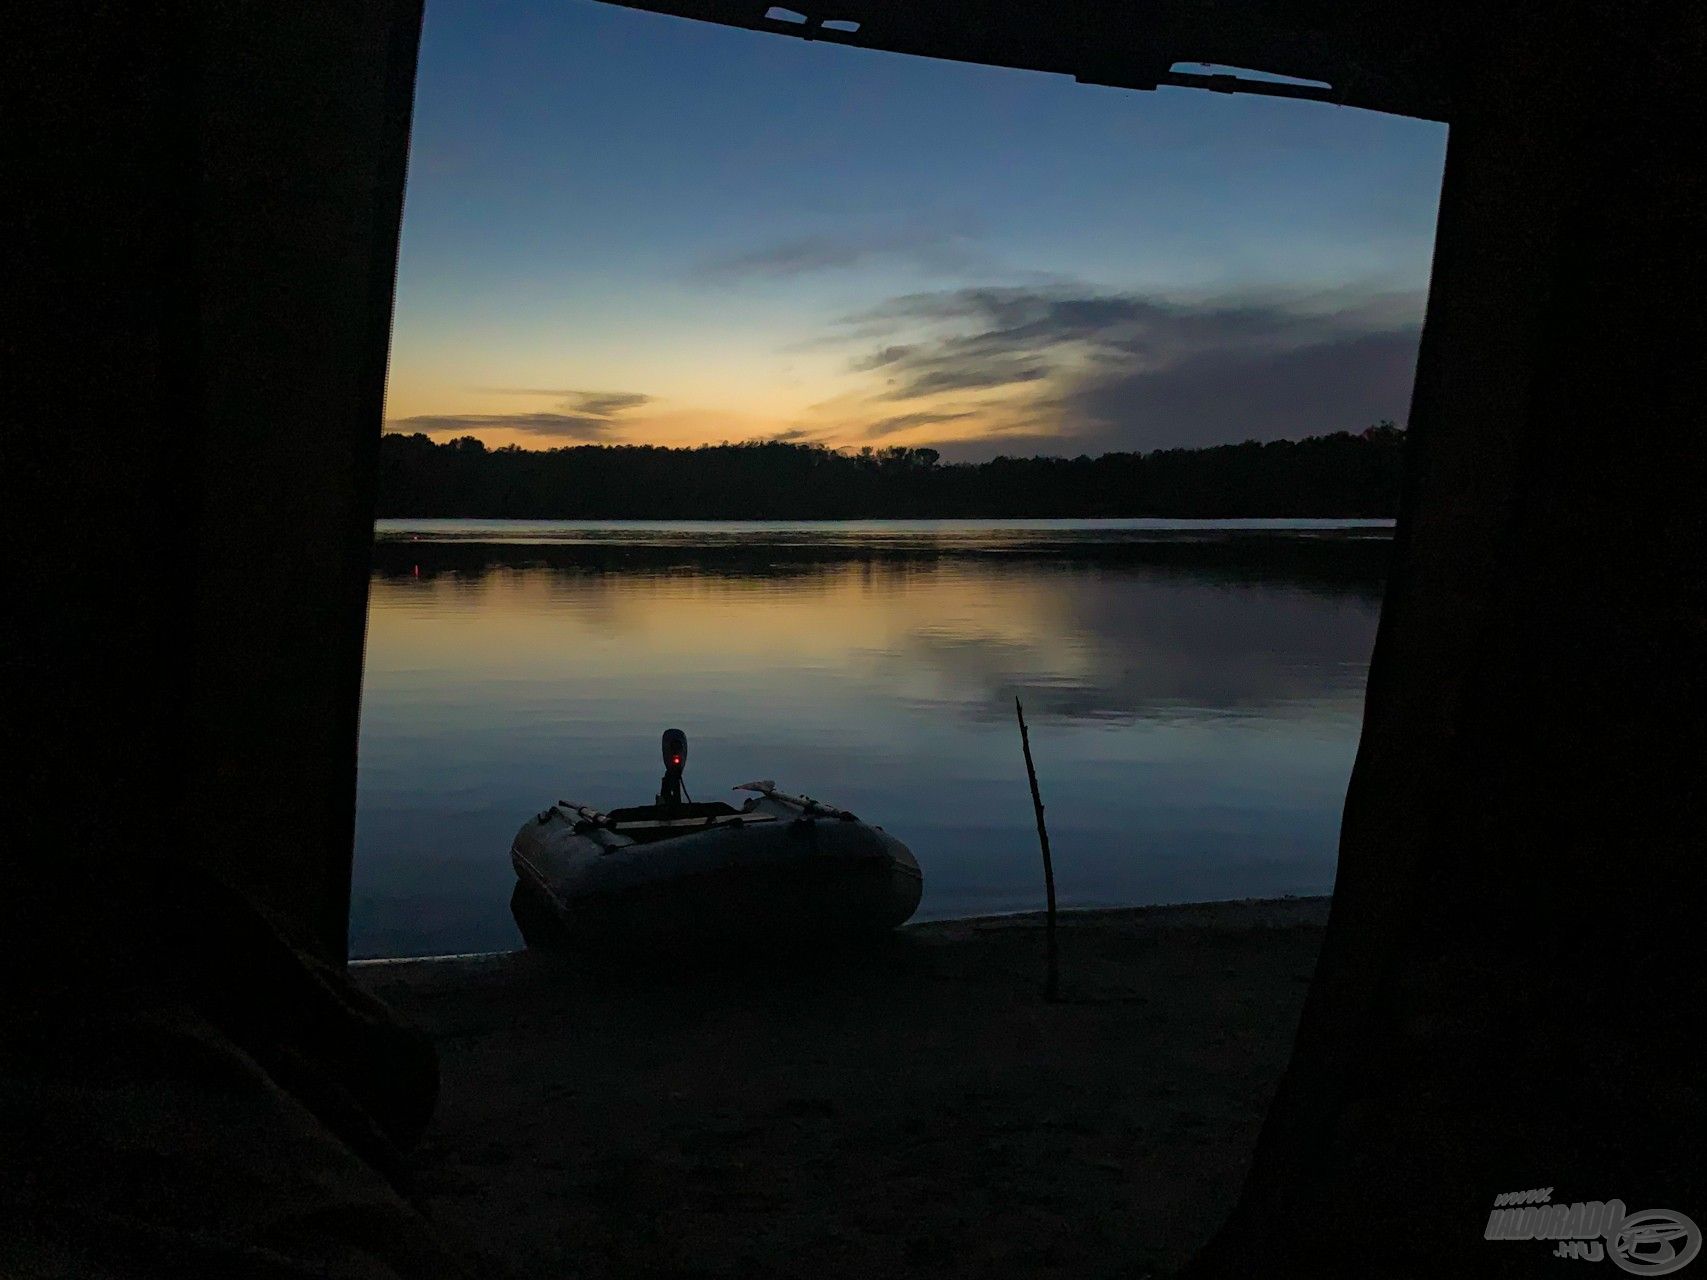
[{"x": 675, "y": 759}]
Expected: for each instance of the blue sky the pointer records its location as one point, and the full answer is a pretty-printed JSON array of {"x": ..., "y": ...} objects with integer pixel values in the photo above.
[{"x": 627, "y": 227}]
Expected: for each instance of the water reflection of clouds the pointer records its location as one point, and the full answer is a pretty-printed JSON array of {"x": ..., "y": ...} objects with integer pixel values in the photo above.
[
  {"x": 1080, "y": 640},
  {"x": 1121, "y": 647}
]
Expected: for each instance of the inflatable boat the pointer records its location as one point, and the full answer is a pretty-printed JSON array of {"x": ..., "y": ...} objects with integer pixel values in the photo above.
[{"x": 781, "y": 867}]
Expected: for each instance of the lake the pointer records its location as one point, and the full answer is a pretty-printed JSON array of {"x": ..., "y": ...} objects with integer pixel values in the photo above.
[{"x": 1194, "y": 690}]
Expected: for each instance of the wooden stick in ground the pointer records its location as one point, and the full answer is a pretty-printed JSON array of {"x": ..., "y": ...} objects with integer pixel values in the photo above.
[{"x": 1052, "y": 982}]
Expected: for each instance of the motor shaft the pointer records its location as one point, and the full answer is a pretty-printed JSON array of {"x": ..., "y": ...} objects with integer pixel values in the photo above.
[{"x": 675, "y": 760}]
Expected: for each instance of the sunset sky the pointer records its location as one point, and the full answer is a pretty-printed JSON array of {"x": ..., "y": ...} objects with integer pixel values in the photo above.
[{"x": 627, "y": 228}]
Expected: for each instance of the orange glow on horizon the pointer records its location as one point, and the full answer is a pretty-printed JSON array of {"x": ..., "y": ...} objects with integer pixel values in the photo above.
[{"x": 807, "y": 398}]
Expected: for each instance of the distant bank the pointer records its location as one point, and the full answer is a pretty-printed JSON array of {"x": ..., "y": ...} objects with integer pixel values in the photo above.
[{"x": 1339, "y": 475}]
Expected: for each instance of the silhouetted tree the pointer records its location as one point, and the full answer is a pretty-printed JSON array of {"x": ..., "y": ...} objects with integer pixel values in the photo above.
[{"x": 1342, "y": 474}]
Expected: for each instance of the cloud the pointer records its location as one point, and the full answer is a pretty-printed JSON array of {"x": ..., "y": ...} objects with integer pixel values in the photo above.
[
  {"x": 604, "y": 404},
  {"x": 962, "y": 372},
  {"x": 581, "y": 415},
  {"x": 1216, "y": 396},
  {"x": 889, "y": 355},
  {"x": 597, "y": 404},
  {"x": 933, "y": 251},
  {"x": 907, "y": 421},
  {"x": 1095, "y": 372},
  {"x": 558, "y": 426}
]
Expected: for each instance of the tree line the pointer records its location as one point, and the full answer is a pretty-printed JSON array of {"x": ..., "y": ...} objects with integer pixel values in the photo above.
[{"x": 1344, "y": 474}]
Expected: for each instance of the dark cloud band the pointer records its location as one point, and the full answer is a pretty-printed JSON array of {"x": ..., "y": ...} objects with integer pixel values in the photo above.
[
  {"x": 1134, "y": 371},
  {"x": 559, "y": 426},
  {"x": 585, "y": 415}
]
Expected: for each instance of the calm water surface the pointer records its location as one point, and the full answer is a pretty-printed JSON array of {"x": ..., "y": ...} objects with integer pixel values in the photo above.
[{"x": 1194, "y": 691}]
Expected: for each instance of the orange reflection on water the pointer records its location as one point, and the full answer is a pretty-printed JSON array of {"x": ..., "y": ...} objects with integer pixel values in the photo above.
[{"x": 587, "y": 624}]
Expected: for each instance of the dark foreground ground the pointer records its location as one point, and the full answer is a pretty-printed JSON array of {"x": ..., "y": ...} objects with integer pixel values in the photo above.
[{"x": 911, "y": 1110}]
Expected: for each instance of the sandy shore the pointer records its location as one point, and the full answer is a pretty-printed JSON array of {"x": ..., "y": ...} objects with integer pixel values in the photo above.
[{"x": 911, "y": 1110}]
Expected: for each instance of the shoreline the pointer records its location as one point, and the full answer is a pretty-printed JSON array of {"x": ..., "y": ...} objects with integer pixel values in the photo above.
[
  {"x": 392, "y": 526},
  {"x": 995, "y": 920},
  {"x": 867, "y": 1112}
]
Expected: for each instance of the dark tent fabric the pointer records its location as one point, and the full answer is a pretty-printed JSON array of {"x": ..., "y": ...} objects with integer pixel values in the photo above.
[{"x": 184, "y": 1091}]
